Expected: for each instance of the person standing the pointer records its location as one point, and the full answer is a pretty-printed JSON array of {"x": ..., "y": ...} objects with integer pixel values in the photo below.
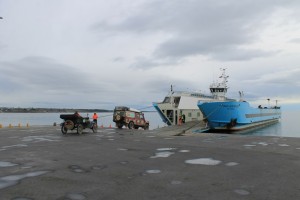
[{"x": 95, "y": 118}]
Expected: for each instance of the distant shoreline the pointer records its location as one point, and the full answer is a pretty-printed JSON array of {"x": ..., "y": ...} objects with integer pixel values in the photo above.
[{"x": 49, "y": 110}]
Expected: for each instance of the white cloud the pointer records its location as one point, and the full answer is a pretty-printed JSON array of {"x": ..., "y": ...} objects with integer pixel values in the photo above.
[{"x": 100, "y": 54}]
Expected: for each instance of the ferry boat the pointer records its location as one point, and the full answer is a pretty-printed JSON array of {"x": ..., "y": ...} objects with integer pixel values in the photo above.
[
  {"x": 237, "y": 115},
  {"x": 183, "y": 104}
]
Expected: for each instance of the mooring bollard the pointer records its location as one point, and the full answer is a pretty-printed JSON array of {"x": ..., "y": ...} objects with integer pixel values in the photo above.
[
  {"x": 54, "y": 124},
  {"x": 27, "y": 125}
]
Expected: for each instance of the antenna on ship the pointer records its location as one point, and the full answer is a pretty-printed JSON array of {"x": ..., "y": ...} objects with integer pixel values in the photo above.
[{"x": 241, "y": 95}]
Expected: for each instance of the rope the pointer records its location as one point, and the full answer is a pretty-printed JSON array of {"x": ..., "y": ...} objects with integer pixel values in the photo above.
[{"x": 137, "y": 109}]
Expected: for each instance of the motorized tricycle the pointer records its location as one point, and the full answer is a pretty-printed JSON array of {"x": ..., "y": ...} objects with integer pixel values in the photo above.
[{"x": 78, "y": 123}]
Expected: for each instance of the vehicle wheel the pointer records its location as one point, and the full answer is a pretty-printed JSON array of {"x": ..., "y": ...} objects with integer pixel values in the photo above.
[
  {"x": 94, "y": 128},
  {"x": 118, "y": 117},
  {"x": 69, "y": 124},
  {"x": 64, "y": 130},
  {"x": 146, "y": 127},
  {"x": 119, "y": 125},
  {"x": 79, "y": 129},
  {"x": 131, "y": 125}
]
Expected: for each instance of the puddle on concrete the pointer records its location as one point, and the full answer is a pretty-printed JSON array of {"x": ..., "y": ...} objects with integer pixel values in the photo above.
[
  {"x": 110, "y": 139},
  {"x": 7, "y": 164},
  {"x": 163, "y": 154},
  {"x": 184, "y": 151},
  {"x": 242, "y": 192},
  {"x": 169, "y": 138},
  {"x": 122, "y": 149},
  {"x": 203, "y": 161},
  {"x": 76, "y": 168},
  {"x": 13, "y": 146},
  {"x": 231, "y": 164},
  {"x": 75, "y": 196},
  {"x": 165, "y": 149},
  {"x": 263, "y": 143},
  {"x": 153, "y": 171},
  {"x": 11, "y": 180},
  {"x": 283, "y": 145},
  {"x": 124, "y": 162},
  {"x": 43, "y": 138}
]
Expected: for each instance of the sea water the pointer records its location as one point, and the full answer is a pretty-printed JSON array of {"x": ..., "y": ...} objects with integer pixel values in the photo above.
[
  {"x": 287, "y": 126},
  {"x": 39, "y": 119}
]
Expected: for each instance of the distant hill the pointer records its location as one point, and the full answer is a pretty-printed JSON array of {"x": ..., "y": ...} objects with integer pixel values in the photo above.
[{"x": 49, "y": 110}]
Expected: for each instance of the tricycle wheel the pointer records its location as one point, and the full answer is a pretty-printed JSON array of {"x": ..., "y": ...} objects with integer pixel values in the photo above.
[
  {"x": 146, "y": 127},
  {"x": 119, "y": 125},
  {"x": 94, "y": 128},
  {"x": 64, "y": 130},
  {"x": 131, "y": 125},
  {"x": 79, "y": 129}
]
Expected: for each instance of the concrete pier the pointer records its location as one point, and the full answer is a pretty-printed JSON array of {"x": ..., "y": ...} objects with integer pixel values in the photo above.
[{"x": 39, "y": 163}]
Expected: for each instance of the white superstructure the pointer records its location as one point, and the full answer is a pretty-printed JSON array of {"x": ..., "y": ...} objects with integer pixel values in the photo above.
[{"x": 184, "y": 104}]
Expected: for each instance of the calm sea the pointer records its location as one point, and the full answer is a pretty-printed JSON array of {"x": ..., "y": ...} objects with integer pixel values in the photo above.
[{"x": 287, "y": 127}]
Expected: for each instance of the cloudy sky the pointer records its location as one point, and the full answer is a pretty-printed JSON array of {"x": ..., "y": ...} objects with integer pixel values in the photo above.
[{"x": 99, "y": 53}]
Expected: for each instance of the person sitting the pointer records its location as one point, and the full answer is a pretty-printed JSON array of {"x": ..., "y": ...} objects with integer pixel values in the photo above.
[{"x": 76, "y": 114}]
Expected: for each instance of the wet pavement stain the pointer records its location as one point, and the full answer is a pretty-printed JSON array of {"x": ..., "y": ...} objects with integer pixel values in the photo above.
[
  {"x": 7, "y": 164},
  {"x": 242, "y": 192},
  {"x": 77, "y": 169},
  {"x": 153, "y": 171},
  {"x": 99, "y": 167},
  {"x": 203, "y": 161},
  {"x": 7, "y": 181},
  {"x": 231, "y": 164}
]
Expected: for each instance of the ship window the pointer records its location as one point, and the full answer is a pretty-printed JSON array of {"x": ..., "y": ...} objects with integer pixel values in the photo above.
[
  {"x": 189, "y": 114},
  {"x": 198, "y": 114},
  {"x": 166, "y": 100},
  {"x": 176, "y": 100}
]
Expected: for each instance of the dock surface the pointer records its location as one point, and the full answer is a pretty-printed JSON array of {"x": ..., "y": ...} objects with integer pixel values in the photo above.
[{"x": 39, "y": 163}]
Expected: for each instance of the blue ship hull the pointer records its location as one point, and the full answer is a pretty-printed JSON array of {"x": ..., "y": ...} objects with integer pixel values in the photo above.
[{"x": 235, "y": 115}]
